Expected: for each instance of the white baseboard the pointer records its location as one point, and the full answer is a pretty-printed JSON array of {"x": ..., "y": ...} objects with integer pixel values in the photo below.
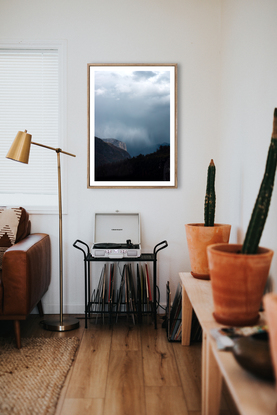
[
  {"x": 67, "y": 309},
  {"x": 73, "y": 309}
]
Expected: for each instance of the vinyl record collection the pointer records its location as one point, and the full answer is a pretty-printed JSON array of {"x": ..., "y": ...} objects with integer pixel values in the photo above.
[
  {"x": 122, "y": 290},
  {"x": 174, "y": 318},
  {"x": 174, "y": 314}
]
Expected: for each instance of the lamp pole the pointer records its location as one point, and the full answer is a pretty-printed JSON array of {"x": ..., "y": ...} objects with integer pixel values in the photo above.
[
  {"x": 60, "y": 236},
  {"x": 68, "y": 323},
  {"x": 19, "y": 151}
]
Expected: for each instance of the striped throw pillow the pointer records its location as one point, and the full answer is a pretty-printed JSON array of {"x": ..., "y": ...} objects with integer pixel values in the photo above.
[{"x": 9, "y": 221}]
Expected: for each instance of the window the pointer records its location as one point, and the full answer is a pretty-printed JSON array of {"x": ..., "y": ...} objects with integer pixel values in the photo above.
[{"x": 31, "y": 99}]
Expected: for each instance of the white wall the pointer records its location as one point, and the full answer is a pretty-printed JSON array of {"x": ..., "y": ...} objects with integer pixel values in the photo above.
[
  {"x": 249, "y": 96},
  {"x": 226, "y": 59},
  {"x": 123, "y": 31}
]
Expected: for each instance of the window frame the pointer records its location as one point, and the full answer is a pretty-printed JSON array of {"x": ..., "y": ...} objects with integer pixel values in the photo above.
[{"x": 61, "y": 47}]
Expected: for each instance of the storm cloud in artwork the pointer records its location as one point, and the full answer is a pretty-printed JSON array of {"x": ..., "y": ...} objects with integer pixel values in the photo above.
[{"x": 133, "y": 106}]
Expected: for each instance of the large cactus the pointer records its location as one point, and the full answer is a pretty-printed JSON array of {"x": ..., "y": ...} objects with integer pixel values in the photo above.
[
  {"x": 209, "y": 211},
  {"x": 261, "y": 208}
]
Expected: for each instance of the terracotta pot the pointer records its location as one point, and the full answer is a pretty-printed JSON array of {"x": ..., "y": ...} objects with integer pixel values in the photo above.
[
  {"x": 270, "y": 304},
  {"x": 238, "y": 282},
  {"x": 198, "y": 238}
]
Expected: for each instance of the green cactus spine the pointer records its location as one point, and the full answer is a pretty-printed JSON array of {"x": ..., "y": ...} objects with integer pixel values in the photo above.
[
  {"x": 261, "y": 208},
  {"x": 209, "y": 211}
]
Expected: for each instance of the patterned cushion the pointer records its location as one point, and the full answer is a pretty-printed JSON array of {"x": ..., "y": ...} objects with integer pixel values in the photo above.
[
  {"x": 9, "y": 221},
  {"x": 24, "y": 226}
]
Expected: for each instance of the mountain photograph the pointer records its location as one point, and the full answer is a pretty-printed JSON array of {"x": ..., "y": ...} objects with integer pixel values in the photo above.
[
  {"x": 132, "y": 127},
  {"x": 113, "y": 163}
]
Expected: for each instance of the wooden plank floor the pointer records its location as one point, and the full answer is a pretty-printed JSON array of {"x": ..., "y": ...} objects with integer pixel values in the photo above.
[{"x": 127, "y": 370}]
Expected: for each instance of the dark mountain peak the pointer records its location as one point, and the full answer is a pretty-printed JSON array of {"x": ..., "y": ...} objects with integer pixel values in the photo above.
[
  {"x": 116, "y": 143},
  {"x": 106, "y": 152}
]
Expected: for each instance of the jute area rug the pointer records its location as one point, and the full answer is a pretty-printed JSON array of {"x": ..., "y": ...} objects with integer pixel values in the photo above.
[{"x": 32, "y": 377}]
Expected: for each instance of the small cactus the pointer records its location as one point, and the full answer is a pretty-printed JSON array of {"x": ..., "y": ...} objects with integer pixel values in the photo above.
[
  {"x": 209, "y": 210},
  {"x": 261, "y": 208}
]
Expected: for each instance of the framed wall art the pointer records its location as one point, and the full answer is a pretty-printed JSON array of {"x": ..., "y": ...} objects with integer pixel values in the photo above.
[{"x": 132, "y": 126}]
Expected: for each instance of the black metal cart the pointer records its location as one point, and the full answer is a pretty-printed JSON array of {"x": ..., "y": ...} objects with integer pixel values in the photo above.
[{"x": 145, "y": 257}]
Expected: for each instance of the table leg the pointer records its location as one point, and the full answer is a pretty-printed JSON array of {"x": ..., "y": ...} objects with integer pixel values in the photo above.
[
  {"x": 186, "y": 318},
  {"x": 211, "y": 380}
]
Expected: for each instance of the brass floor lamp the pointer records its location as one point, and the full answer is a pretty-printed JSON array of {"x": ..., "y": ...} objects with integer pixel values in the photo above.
[{"x": 19, "y": 151}]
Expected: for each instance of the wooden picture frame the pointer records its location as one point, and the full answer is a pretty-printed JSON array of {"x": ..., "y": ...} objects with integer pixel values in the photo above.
[{"x": 132, "y": 125}]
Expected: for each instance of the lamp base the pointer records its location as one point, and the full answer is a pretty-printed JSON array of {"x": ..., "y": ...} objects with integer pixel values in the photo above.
[{"x": 66, "y": 324}]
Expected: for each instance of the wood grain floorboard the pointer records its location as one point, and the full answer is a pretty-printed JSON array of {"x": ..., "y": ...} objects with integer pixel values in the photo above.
[
  {"x": 189, "y": 368},
  {"x": 165, "y": 400},
  {"x": 91, "y": 367},
  {"x": 127, "y": 370},
  {"x": 83, "y": 406},
  {"x": 159, "y": 364},
  {"x": 125, "y": 388},
  {"x": 126, "y": 337},
  {"x": 59, "y": 408}
]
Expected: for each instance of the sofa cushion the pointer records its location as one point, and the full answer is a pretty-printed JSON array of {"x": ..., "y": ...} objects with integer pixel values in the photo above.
[{"x": 9, "y": 223}]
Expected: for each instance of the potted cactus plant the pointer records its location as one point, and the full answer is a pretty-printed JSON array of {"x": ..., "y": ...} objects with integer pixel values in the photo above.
[
  {"x": 200, "y": 235},
  {"x": 239, "y": 272}
]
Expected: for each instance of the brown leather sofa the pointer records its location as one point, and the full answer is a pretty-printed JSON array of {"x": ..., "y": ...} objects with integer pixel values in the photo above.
[{"x": 25, "y": 275}]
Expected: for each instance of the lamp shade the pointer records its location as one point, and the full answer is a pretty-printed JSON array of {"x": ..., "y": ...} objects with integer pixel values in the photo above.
[{"x": 20, "y": 147}]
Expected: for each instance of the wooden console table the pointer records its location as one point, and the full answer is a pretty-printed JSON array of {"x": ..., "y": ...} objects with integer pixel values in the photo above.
[{"x": 251, "y": 395}]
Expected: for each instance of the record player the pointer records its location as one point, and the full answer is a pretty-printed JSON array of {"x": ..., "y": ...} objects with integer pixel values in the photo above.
[{"x": 116, "y": 235}]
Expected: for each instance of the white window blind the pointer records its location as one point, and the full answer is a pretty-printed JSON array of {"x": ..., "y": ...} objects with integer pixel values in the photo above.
[{"x": 29, "y": 100}]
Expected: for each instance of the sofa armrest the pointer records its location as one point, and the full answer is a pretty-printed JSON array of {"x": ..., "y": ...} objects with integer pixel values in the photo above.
[{"x": 25, "y": 274}]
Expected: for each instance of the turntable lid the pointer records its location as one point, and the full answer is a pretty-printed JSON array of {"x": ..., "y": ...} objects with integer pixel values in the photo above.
[{"x": 117, "y": 227}]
